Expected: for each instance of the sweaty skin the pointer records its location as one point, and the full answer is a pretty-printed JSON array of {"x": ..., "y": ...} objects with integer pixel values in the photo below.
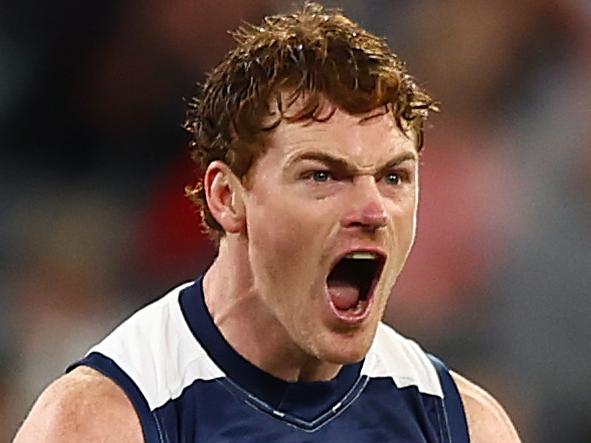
[{"x": 319, "y": 191}]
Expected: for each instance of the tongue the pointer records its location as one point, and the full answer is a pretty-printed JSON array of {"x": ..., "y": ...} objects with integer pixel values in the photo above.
[{"x": 343, "y": 295}]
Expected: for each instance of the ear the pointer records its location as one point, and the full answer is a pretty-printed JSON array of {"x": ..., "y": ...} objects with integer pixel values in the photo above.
[{"x": 225, "y": 198}]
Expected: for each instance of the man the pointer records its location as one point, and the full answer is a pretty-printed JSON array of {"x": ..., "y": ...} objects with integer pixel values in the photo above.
[{"x": 309, "y": 133}]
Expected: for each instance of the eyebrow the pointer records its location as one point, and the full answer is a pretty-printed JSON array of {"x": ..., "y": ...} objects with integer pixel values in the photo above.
[{"x": 341, "y": 164}]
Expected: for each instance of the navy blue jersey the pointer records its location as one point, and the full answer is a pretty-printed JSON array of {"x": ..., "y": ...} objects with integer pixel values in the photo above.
[{"x": 188, "y": 385}]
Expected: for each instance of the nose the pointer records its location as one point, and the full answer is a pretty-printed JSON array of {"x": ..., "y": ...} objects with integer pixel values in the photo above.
[{"x": 366, "y": 206}]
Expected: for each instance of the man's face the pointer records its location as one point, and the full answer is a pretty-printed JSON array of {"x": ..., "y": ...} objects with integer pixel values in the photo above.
[{"x": 330, "y": 213}]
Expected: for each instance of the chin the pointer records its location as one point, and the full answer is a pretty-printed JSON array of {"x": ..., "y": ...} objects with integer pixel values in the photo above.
[
  {"x": 345, "y": 358},
  {"x": 345, "y": 351}
]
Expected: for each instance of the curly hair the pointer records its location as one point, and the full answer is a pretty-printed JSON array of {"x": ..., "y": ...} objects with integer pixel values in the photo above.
[{"x": 315, "y": 55}]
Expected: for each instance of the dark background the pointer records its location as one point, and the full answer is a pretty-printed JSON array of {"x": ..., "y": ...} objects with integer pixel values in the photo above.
[{"x": 93, "y": 162}]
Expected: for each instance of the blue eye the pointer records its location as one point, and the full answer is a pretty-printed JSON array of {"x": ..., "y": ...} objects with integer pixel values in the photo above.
[
  {"x": 393, "y": 178},
  {"x": 320, "y": 176}
]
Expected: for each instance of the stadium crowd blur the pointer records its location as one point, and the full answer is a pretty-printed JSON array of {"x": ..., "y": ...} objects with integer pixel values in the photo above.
[{"x": 93, "y": 162}]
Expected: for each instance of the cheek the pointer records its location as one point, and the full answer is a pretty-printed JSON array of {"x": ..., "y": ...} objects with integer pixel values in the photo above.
[
  {"x": 403, "y": 227},
  {"x": 284, "y": 237},
  {"x": 406, "y": 221},
  {"x": 404, "y": 207}
]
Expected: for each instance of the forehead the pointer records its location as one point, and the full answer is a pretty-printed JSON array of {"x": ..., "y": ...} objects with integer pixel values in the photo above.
[{"x": 364, "y": 139}]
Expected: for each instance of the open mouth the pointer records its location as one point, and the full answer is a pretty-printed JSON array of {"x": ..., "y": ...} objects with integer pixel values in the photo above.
[{"x": 352, "y": 281}]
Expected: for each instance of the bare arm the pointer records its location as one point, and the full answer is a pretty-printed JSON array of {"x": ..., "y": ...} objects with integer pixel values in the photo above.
[
  {"x": 83, "y": 405},
  {"x": 487, "y": 420}
]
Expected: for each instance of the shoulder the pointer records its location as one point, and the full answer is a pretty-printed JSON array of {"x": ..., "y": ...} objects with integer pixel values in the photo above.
[
  {"x": 403, "y": 360},
  {"x": 83, "y": 405},
  {"x": 487, "y": 420}
]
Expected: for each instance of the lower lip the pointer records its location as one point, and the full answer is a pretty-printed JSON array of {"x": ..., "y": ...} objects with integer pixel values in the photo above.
[{"x": 354, "y": 316}]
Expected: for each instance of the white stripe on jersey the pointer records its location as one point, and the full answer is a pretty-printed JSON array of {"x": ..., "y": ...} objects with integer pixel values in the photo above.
[
  {"x": 158, "y": 351},
  {"x": 403, "y": 360}
]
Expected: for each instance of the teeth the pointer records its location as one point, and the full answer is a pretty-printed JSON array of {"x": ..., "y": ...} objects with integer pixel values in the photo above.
[{"x": 362, "y": 256}]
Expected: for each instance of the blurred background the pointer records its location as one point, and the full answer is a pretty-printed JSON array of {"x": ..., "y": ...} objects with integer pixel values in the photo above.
[{"x": 93, "y": 162}]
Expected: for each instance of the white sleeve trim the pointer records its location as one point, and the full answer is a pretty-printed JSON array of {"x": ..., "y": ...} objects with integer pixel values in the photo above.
[
  {"x": 158, "y": 351},
  {"x": 403, "y": 360}
]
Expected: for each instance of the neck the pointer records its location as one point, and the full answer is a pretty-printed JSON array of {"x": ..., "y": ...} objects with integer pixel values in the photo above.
[{"x": 248, "y": 324}]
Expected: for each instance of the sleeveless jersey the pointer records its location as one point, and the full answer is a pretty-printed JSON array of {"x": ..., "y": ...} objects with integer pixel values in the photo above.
[{"x": 188, "y": 385}]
